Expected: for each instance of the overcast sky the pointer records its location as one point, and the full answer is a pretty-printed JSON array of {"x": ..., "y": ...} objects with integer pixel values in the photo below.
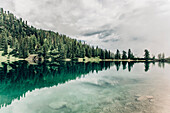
[{"x": 111, "y": 24}]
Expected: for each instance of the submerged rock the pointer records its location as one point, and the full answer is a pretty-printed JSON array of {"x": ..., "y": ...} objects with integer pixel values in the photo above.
[
  {"x": 143, "y": 98},
  {"x": 151, "y": 100},
  {"x": 149, "y": 97},
  {"x": 57, "y": 105}
]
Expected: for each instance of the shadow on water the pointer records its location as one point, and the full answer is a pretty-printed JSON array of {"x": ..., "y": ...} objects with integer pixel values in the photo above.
[{"x": 20, "y": 77}]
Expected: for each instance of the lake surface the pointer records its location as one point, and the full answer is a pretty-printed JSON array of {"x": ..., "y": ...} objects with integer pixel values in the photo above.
[{"x": 69, "y": 87}]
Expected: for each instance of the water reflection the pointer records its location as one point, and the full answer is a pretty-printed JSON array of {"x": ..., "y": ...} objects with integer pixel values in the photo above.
[
  {"x": 117, "y": 64},
  {"x": 130, "y": 65},
  {"x": 20, "y": 77},
  {"x": 124, "y": 65},
  {"x": 161, "y": 64},
  {"x": 147, "y": 66}
]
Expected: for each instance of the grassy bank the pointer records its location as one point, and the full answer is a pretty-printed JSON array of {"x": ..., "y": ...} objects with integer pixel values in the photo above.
[
  {"x": 92, "y": 59},
  {"x": 7, "y": 58},
  {"x": 33, "y": 59}
]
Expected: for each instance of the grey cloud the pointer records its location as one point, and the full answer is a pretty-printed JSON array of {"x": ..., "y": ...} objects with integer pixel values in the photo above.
[
  {"x": 105, "y": 40},
  {"x": 101, "y": 34},
  {"x": 111, "y": 24},
  {"x": 111, "y": 40},
  {"x": 122, "y": 16},
  {"x": 93, "y": 33},
  {"x": 105, "y": 34},
  {"x": 115, "y": 40},
  {"x": 135, "y": 38}
]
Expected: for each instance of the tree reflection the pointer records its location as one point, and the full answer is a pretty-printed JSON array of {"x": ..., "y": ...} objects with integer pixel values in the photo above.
[
  {"x": 146, "y": 66},
  {"x": 130, "y": 65},
  {"x": 161, "y": 64},
  {"x": 117, "y": 64},
  {"x": 124, "y": 65},
  {"x": 20, "y": 77}
]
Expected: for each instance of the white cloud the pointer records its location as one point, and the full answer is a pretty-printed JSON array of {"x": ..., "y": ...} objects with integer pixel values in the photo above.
[{"x": 111, "y": 24}]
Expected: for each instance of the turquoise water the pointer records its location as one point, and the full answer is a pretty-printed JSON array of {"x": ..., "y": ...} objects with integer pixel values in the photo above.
[{"x": 66, "y": 87}]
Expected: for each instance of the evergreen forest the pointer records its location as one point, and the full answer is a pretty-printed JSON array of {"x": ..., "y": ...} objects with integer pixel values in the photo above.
[{"x": 24, "y": 40}]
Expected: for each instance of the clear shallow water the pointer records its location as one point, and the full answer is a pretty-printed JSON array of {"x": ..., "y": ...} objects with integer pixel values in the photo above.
[{"x": 90, "y": 88}]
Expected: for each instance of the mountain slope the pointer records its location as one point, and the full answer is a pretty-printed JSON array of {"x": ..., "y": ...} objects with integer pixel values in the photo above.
[{"x": 25, "y": 40}]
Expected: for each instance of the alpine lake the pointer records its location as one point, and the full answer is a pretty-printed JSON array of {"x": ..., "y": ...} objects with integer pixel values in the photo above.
[{"x": 75, "y": 87}]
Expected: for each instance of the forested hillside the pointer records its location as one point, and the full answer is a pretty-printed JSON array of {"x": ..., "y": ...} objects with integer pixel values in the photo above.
[{"x": 23, "y": 40}]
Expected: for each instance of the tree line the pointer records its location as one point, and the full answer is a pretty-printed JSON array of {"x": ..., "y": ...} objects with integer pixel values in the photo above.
[
  {"x": 16, "y": 35},
  {"x": 25, "y": 40}
]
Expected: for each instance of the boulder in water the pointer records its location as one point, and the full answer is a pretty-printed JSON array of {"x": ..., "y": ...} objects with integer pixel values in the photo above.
[{"x": 141, "y": 98}]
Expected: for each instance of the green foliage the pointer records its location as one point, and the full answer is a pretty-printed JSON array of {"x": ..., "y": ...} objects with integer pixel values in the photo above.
[
  {"x": 5, "y": 47},
  {"x": 45, "y": 50},
  {"x": 117, "y": 56},
  {"x": 124, "y": 56},
  {"x": 107, "y": 54},
  {"x": 130, "y": 54},
  {"x": 161, "y": 57},
  {"x": 102, "y": 54},
  {"x": 25, "y": 40},
  {"x": 2, "y": 10},
  {"x": 4, "y": 43},
  {"x": 146, "y": 55}
]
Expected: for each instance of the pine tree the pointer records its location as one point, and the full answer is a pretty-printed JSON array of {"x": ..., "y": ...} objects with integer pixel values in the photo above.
[
  {"x": 117, "y": 55},
  {"x": 146, "y": 55},
  {"x": 102, "y": 54},
  {"x": 124, "y": 56},
  {"x": 97, "y": 52},
  {"x": 163, "y": 56},
  {"x": 83, "y": 52},
  {"x": 109, "y": 54},
  {"x": 63, "y": 52},
  {"x": 93, "y": 51},
  {"x": 5, "y": 47},
  {"x": 21, "y": 49},
  {"x": 45, "y": 50},
  {"x": 130, "y": 54},
  {"x": 159, "y": 56},
  {"x": 1, "y": 41},
  {"x": 31, "y": 46},
  {"x": 2, "y": 11},
  {"x": 25, "y": 48}
]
